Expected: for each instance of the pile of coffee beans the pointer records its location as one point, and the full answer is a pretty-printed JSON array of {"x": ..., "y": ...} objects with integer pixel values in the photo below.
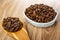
[
  {"x": 40, "y": 13},
  {"x": 12, "y": 24}
]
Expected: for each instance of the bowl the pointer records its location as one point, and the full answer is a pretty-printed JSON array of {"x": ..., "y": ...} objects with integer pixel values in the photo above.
[{"x": 36, "y": 24}]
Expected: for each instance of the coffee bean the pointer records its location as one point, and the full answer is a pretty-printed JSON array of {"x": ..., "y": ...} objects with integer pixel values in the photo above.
[
  {"x": 12, "y": 24},
  {"x": 40, "y": 13}
]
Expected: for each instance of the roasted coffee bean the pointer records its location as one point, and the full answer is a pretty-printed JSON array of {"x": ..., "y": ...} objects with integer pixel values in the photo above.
[
  {"x": 12, "y": 24},
  {"x": 40, "y": 13}
]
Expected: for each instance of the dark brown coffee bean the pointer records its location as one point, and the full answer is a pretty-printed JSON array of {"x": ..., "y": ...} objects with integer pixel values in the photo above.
[
  {"x": 40, "y": 13},
  {"x": 12, "y": 24}
]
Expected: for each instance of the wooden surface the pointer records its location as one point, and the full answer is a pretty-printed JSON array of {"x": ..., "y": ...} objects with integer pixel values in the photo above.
[
  {"x": 16, "y": 8},
  {"x": 12, "y": 8}
]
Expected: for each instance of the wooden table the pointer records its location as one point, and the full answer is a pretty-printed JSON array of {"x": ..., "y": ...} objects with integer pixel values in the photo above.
[
  {"x": 15, "y": 8},
  {"x": 10, "y": 8}
]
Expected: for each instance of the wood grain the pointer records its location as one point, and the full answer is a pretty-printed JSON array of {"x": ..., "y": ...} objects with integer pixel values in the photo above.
[
  {"x": 49, "y": 33},
  {"x": 10, "y": 8},
  {"x": 16, "y": 8}
]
